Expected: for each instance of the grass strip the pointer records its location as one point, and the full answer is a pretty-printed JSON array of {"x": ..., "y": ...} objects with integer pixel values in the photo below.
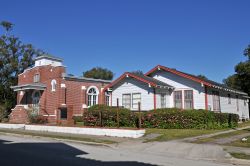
[
  {"x": 220, "y": 136},
  {"x": 171, "y": 134},
  {"x": 240, "y": 155},
  {"x": 240, "y": 143}
]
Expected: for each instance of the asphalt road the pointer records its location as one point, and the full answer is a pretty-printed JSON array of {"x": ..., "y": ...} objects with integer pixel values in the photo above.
[
  {"x": 18, "y": 150},
  {"x": 46, "y": 154}
]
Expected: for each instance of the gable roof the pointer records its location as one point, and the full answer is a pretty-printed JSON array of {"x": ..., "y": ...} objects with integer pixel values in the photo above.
[
  {"x": 205, "y": 82},
  {"x": 143, "y": 78}
]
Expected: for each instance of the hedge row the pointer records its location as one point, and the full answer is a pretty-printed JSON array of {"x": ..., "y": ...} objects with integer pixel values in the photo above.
[{"x": 168, "y": 118}]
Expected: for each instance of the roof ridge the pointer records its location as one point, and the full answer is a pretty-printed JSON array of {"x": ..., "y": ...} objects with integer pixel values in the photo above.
[{"x": 207, "y": 82}]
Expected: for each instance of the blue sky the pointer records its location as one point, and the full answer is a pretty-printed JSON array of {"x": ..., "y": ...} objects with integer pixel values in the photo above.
[{"x": 195, "y": 36}]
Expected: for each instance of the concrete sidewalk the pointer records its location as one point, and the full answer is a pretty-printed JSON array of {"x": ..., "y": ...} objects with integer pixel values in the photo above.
[{"x": 192, "y": 139}]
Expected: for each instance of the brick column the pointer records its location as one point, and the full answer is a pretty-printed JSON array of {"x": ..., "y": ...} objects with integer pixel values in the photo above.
[
  {"x": 63, "y": 95},
  {"x": 20, "y": 95},
  {"x": 83, "y": 98},
  {"x": 102, "y": 97}
]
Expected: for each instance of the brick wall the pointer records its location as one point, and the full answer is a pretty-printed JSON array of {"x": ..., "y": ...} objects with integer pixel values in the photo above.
[
  {"x": 49, "y": 100},
  {"x": 71, "y": 91},
  {"x": 76, "y": 94},
  {"x": 18, "y": 115}
]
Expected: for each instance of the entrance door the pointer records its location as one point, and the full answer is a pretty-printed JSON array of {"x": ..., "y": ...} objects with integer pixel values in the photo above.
[{"x": 35, "y": 101}]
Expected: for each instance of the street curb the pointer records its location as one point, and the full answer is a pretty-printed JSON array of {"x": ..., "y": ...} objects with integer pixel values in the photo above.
[{"x": 58, "y": 139}]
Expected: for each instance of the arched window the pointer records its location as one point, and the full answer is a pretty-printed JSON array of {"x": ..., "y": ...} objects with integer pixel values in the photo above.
[
  {"x": 92, "y": 94},
  {"x": 53, "y": 85}
]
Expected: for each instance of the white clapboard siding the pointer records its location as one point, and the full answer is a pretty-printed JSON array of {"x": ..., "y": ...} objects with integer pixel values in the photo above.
[
  {"x": 181, "y": 83},
  {"x": 227, "y": 107},
  {"x": 129, "y": 85},
  {"x": 243, "y": 104}
]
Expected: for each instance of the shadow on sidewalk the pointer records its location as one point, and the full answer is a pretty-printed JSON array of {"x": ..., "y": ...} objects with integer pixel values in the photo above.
[{"x": 40, "y": 154}]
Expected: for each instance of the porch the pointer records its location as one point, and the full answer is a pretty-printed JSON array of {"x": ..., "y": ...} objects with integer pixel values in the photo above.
[{"x": 28, "y": 98}]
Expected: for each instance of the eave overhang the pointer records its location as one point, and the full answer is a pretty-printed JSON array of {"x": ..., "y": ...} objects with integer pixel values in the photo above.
[{"x": 35, "y": 86}]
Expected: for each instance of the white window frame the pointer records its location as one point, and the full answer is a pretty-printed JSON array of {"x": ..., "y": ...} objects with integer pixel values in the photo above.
[
  {"x": 179, "y": 91},
  {"x": 53, "y": 85},
  {"x": 163, "y": 100},
  {"x": 36, "y": 78},
  {"x": 92, "y": 98},
  {"x": 123, "y": 101},
  {"x": 188, "y": 100},
  {"x": 135, "y": 104},
  {"x": 107, "y": 98}
]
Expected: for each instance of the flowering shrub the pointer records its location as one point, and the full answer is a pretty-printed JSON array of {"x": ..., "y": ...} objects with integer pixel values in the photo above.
[
  {"x": 101, "y": 115},
  {"x": 35, "y": 118},
  {"x": 173, "y": 118},
  {"x": 168, "y": 118}
]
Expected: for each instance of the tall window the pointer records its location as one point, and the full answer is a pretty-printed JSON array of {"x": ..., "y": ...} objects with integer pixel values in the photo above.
[
  {"x": 229, "y": 98},
  {"x": 107, "y": 98},
  {"x": 163, "y": 100},
  {"x": 126, "y": 101},
  {"x": 188, "y": 99},
  {"x": 36, "y": 78},
  {"x": 53, "y": 85},
  {"x": 136, "y": 98},
  {"x": 216, "y": 101},
  {"x": 92, "y": 96},
  {"x": 178, "y": 99}
]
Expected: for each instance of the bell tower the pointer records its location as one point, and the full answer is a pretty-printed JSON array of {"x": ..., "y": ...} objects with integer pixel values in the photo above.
[{"x": 46, "y": 59}]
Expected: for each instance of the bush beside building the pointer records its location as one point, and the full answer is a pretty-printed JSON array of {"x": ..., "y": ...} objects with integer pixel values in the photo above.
[{"x": 167, "y": 118}]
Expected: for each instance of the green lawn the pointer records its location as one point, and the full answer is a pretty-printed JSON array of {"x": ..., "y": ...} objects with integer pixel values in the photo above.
[
  {"x": 240, "y": 143},
  {"x": 170, "y": 134},
  {"x": 244, "y": 124},
  {"x": 241, "y": 156},
  {"x": 75, "y": 137},
  {"x": 225, "y": 135}
]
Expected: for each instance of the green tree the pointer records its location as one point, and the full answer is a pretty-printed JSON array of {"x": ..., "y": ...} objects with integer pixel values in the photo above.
[
  {"x": 241, "y": 79},
  {"x": 99, "y": 73},
  {"x": 247, "y": 52},
  {"x": 14, "y": 58}
]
